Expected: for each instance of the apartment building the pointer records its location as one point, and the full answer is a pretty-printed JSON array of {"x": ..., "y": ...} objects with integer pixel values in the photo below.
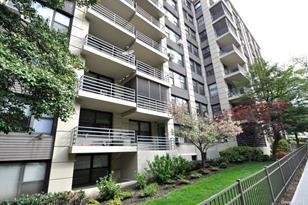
[{"x": 141, "y": 56}]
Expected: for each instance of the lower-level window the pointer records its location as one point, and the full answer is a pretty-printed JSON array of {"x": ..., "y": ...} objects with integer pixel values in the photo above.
[
  {"x": 89, "y": 168},
  {"x": 22, "y": 178}
]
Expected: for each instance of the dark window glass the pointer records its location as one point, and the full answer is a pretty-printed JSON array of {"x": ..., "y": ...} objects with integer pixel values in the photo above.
[
  {"x": 94, "y": 118},
  {"x": 140, "y": 127}
]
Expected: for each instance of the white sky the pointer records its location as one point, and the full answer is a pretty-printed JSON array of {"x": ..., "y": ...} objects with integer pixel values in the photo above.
[{"x": 279, "y": 26}]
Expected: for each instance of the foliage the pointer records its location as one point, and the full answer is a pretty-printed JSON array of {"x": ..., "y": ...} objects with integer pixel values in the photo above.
[
  {"x": 183, "y": 181},
  {"x": 126, "y": 195},
  {"x": 166, "y": 167},
  {"x": 281, "y": 154},
  {"x": 240, "y": 154},
  {"x": 141, "y": 180},
  {"x": 195, "y": 175},
  {"x": 170, "y": 181},
  {"x": 36, "y": 66},
  {"x": 283, "y": 145},
  {"x": 92, "y": 202},
  {"x": 69, "y": 198},
  {"x": 149, "y": 190},
  {"x": 204, "y": 171},
  {"x": 116, "y": 201},
  {"x": 194, "y": 165},
  {"x": 223, "y": 165},
  {"x": 108, "y": 189},
  {"x": 214, "y": 169},
  {"x": 204, "y": 132}
]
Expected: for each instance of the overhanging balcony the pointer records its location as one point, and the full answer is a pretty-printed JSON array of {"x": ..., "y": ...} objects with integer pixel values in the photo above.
[
  {"x": 152, "y": 6},
  {"x": 102, "y": 140},
  {"x": 231, "y": 55},
  {"x": 235, "y": 74},
  {"x": 235, "y": 94},
  {"x": 106, "y": 24},
  {"x": 99, "y": 94},
  {"x": 155, "y": 143},
  {"x": 124, "y": 7},
  {"x": 104, "y": 57},
  {"x": 226, "y": 35}
]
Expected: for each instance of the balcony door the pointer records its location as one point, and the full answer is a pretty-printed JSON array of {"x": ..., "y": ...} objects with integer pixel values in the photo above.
[
  {"x": 94, "y": 118},
  {"x": 141, "y": 128}
]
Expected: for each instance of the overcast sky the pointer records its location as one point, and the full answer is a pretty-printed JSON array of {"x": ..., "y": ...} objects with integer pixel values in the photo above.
[{"x": 279, "y": 26}]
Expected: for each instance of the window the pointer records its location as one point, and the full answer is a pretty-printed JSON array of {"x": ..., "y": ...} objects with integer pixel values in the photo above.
[
  {"x": 151, "y": 89},
  {"x": 209, "y": 70},
  {"x": 203, "y": 36},
  {"x": 188, "y": 4},
  {"x": 188, "y": 17},
  {"x": 200, "y": 22},
  {"x": 94, "y": 118},
  {"x": 140, "y": 127},
  {"x": 198, "y": 7},
  {"x": 177, "y": 80},
  {"x": 172, "y": 18},
  {"x": 55, "y": 19},
  {"x": 190, "y": 32},
  {"x": 206, "y": 52},
  {"x": 89, "y": 168},
  {"x": 172, "y": 35},
  {"x": 192, "y": 48},
  {"x": 198, "y": 87},
  {"x": 201, "y": 109},
  {"x": 172, "y": 3},
  {"x": 179, "y": 101},
  {"x": 216, "y": 109},
  {"x": 213, "y": 90},
  {"x": 195, "y": 67},
  {"x": 175, "y": 57}
]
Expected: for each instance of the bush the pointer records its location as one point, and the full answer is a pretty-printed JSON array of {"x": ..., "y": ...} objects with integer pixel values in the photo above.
[
  {"x": 149, "y": 190},
  {"x": 170, "y": 181},
  {"x": 223, "y": 165},
  {"x": 214, "y": 169},
  {"x": 265, "y": 158},
  {"x": 126, "y": 195},
  {"x": 92, "y": 202},
  {"x": 194, "y": 165},
  {"x": 166, "y": 167},
  {"x": 281, "y": 154},
  {"x": 69, "y": 198},
  {"x": 195, "y": 175},
  {"x": 141, "y": 180},
  {"x": 115, "y": 201},
  {"x": 204, "y": 171},
  {"x": 108, "y": 189},
  {"x": 283, "y": 145},
  {"x": 241, "y": 154},
  {"x": 183, "y": 180}
]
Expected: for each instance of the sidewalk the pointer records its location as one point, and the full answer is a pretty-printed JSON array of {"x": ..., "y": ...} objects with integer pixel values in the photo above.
[{"x": 301, "y": 194}]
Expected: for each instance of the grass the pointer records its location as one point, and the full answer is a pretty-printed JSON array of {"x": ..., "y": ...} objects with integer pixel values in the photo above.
[{"x": 201, "y": 190}]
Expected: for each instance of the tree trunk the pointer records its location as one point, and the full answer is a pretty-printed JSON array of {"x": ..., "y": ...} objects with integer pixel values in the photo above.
[
  {"x": 203, "y": 158},
  {"x": 297, "y": 139},
  {"x": 277, "y": 137}
]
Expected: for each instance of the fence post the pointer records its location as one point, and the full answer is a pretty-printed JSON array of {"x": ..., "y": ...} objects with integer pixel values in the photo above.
[
  {"x": 269, "y": 183},
  {"x": 282, "y": 175},
  {"x": 240, "y": 189}
]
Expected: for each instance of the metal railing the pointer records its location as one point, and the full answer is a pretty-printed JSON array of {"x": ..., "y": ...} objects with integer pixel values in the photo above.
[
  {"x": 156, "y": 3},
  {"x": 95, "y": 136},
  {"x": 108, "y": 48},
  {"x": 235, "y": 92},
  {"x": 155, "y": 143},
  {"x": 131, "y": 2},
  {"x": 101, "y": 87},
  {"x": 230, "y": 70},
  {"x": 148, "y": 16},
  {"x": 150, "y": 41},
  {"x": 157, "y": 73},
  {"x": 228, "y": 49},
  {"x": 152, "y": 104},
  {"x": 114, "y": 17},
  {"x": 263, "y": 188}
]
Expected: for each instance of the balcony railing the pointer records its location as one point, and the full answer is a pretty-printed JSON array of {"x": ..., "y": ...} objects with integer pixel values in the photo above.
[
  {"x": 96, "y": 136},
  {"x": 157, "y": 73},
  {"x": 110, "y": 49},
  {"x": 235, "y": 92},
  {"x": 131, "y": 2},
  {"x": 234, "y": 69},
  {"x": 150, "y": 42},
  {"x": 105, "y": 88},
  {"x": 155, "y": 143},
  {"x": 228, "y": 49},
  {"x": 152, "y": 104},
  {"x": 114, "y": 18},
  {"x": 156, "y": 3},
  {"x": 148, "y": 17}
]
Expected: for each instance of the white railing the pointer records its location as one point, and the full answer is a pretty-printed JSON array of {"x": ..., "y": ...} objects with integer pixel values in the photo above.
[
  {"x": 105, "y": 88},
  {"x": 114, "y": 17},
  {"x": 96, "y": 136},
  {"x": 110, "y": 49},
  {"x": 149, "y": 41},
  {"x": 148, "y": 16},
  {"x": 156, "y": 3},
  {"x": 152, "y": 104},
  {"x": 155, "y": 143},
  {"x": 131, "y": 2},
  {"x": 157, "y": 73},
  {"x": 229, "y": 48}
]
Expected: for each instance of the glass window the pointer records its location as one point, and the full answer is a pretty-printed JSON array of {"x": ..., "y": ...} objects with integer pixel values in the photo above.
[
  {"x": 213, "y": 90},
  {"x": 203, "y": 36},
  {"x": 195, "y": 67},
  {"x": 43, "y": 125},
  {"x": 201, "y": 109},
  {"x": 188, "y": 4},
  {"x": 172, "y": 18},
  {"x": 192, "y": 48},
  {"x": 94, "y": 118},
  {"x": 178, "y": 80},
  {"x": 175, "y": 57},
  {"x": 179, "y": 101},
  {"x": 206, "y": 52},
  {"x": 172, "y": 35},
  {"x": 140, "y": 127},
  {"x": 198, "y": 87},
  {"x": 195, "y": 85},
  {"x": 216, "y": 109},
  {"x": 172, "y": 3},
  {"x": 198, "y": 7},
  {"x": 200, "y": 22}
]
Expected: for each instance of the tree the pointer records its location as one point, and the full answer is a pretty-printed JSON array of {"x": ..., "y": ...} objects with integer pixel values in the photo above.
[
  {"x": 269, "y": 84},
  {"x": 204, "y": 132},
  {"x": 37, "y": 69}
]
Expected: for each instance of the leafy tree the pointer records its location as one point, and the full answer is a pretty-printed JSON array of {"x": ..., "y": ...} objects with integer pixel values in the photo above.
[
  {"x": 37, "y": 69},
  {"x": 204, "y": 132}
]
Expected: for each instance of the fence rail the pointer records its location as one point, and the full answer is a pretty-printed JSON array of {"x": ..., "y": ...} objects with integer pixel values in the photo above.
[
  {"x": 263, "y": 188},
  {"x": 149, "y": 41},
  {"x": 155, "y": 143},
  {"x": 148, "y": 16},
  {"x": 155, "y": 72},
  {"x": 152, "y": 104}
]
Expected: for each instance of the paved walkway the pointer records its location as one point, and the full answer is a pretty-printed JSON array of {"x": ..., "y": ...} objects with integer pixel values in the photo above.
[{"x": 301, "y": 194}]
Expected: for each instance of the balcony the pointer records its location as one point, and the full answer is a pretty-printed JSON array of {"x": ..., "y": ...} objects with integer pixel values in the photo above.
[
  {"x": 235, "y": 94},
  {"x": 106, "y": 24},
  {"x": 152, "y": 73},
  {"x": 97, "y": 94},
  {"x": 117, "y": 63},
  {"x": 226, "y": 34},
  {"x": 124, "y": 7},
  {"x": 152, "y": 108},
  {"x": 155, "y": 143},
  {"x": 231, "y": 55},
  {"x": 235, "y": 74},
  {"x": 152, "y": 6},
  {"x": 102, "y": 140},
  {"x": 148, "y": 50}
]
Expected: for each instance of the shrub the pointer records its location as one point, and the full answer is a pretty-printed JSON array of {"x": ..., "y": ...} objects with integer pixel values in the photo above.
[
  {"x": 126, "y": 195},
  {"x": 163, "y": 168},
  {"x": 241, "y": 154},
  {"x": 265, "y": 158},
  {"x": 195, "y": 175},
  {"x": 108, "y": 189},
  {"x": 214, "y": 169},
  {"x": 183, "y": 180},
  {"x": 283, "y": 145},
  {"x": 92, "y": 202},
  {"x": 141, "y": 180},
  {"x": 71, "y": 198},
  {"x": 281, "y": 154},
  {"x": 115, "y": 201},
  {"x": 149, "y": 190},
  {"x": 170, "y": 181},
  {"x": 223, "y": 165},
  {"x": 204, "y": 171},
  {"x": 194, "y": 165}
]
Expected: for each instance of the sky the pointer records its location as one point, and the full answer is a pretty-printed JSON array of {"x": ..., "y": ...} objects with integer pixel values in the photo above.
[{"x": 279, "y": 26}]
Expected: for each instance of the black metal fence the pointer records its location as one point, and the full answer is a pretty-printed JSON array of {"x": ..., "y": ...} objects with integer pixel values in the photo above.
[{"x": 263, "y": 188}]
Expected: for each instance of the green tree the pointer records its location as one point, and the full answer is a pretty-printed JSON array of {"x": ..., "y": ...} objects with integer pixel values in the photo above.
[{"x": 37, "y": 69}]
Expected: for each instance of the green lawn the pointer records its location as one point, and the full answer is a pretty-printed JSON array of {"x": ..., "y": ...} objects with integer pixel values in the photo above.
[{"x": 198, "y": 192}]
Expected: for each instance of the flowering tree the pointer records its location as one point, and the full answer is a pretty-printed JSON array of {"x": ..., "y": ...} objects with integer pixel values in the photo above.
[{"x": 204, "y": 132}]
